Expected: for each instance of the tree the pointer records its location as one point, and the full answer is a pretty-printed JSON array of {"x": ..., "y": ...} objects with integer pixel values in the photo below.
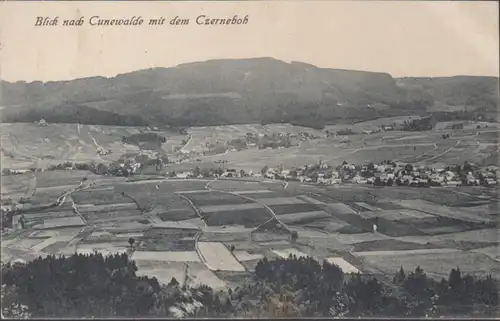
[
  {"x": 101, "y": 169},
  {"x": 173, "y": 282},
  {"x": 131, "y": 242},
  {"x": 400, "y": 277},
  {"x": 294, "y": 236},
  {"x": 455, "y": 278},
  {"x": 196, "y": 171},
  {"x": 242, "y": 173},
  {"x": 409, "y": 168},
  {"x": 371, "y": 167},
  {"x": 264, "y": 170},
  {"x": 467, "y": 167}
]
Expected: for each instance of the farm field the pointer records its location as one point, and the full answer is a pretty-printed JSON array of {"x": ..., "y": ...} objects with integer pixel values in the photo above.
[
  {"x": 438, "y": 265},
  {"x": 243, "y": 186},
  {"x": 168, "y": 240},
  {"x": 166, "y": 256},
  {"x": 214, "y": 198},
  {"x": 285, "y": 253},
  {"x": 29, "y": 144},
  {"x": 343, "y": 264},
  {"x": 252, "y": 217},
  {"x": 15, "y": 186},
  {"x": 302, "y": 217},
  {"x": 218, "y": 257}
]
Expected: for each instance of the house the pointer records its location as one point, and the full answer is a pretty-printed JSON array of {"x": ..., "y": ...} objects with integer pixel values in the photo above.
[
  {"x": 490, "y": 181},
  {"x": 323, "y": 166},
  {"x": 348, "y": 167},
  {"x": 453, "y": 183},
  {"x": 449, "y": 175},
  {"x": 183, "y": 175},
  {"x": 359, "y": 180},
  {"x": 42, "y": 123}
]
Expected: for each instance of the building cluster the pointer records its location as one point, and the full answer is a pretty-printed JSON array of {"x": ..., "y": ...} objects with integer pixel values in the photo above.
[
  {"x": 387, "y": 173},
  {"x": 269, "y": 141}
]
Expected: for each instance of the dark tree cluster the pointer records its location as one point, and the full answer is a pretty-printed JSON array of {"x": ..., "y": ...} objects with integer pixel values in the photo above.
[
  {"x": 80, "y": 286},
  {"x": 97, "y": 286},
  {"x": 101, "y": 286},
  {"x": 457, "y": 295},
  {"x": 421, "y": 124},
  {"x": 136, "y": 139},
  {"x": 324, "y": 290}
]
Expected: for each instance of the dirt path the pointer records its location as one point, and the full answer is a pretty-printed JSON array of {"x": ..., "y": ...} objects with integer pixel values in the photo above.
[
  {"x": 184, "y": 148},
  {"x": 96, "y": 144},
  {"x": 441, "y": 154},
  {"x": 413, "y": 159},
  {"x": 207, "y": 186},
  {"x": 75, "y": 210},
  {"x": 30, "y": 191}
]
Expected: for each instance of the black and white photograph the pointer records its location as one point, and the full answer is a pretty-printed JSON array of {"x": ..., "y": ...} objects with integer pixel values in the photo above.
[{"x": 249, "y": 159}]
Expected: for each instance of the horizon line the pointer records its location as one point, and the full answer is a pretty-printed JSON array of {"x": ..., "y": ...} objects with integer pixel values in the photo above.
[{"x": 290, "y": 62}]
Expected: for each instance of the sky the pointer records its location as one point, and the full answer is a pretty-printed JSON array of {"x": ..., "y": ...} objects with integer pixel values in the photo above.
[{"x": 401, "y": 38}]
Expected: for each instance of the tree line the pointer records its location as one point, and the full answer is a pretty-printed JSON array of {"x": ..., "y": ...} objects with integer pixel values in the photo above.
[{"x": 108, "y": 286}]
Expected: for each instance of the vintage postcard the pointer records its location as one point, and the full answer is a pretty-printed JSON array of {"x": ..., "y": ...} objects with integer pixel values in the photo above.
[{"x": 249, "y": 159}]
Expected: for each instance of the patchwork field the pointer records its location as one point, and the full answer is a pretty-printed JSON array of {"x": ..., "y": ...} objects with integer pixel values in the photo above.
[
  {"x": 27, "y": 144},
  {"x": 187, "y": 228}
]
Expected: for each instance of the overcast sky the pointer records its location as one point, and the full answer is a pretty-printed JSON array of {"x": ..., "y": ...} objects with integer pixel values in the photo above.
[{"x": 401, "y": 38}]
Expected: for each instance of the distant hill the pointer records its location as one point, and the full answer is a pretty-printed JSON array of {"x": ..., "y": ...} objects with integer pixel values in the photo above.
[
  {"x": 235, "y": 91},
  {"x": 467, "y": 95}
]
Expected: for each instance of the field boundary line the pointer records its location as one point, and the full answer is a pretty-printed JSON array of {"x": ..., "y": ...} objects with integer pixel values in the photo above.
[
  {"x": 443, "y": 153},
  {"x": 187, "y": 143},
  {"x": 30, "y": 191},
  {"x": 75, "y": 209},
  {"x": 415, "y": 158},
  {"x": 207, "y": 185},
  {"x": 200, "y": 255},
  {"x": 195, "y": 208},
  {"x": 256, "y": 201}
]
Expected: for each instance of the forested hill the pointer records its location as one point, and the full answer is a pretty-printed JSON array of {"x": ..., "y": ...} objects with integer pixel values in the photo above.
[{"x": 241, "y": 91}]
